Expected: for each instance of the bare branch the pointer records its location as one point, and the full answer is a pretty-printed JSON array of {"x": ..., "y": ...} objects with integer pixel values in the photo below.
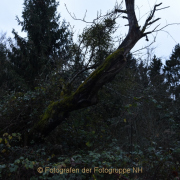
[
  {"x": 85, "y": 15},
  {"x": 145, "y": 46},
  {"x": 162, "y": 8},
  {"x": 147, "y": 22},
  {"x": 153, "y": 21},
  {"x": 124, "y": 17},
  {"x": 152, "y": 30},
  {"x": 74, "y": 17},
  {"x": 152, "y": 12},
  {"x": 94, "y": 20},
  {"x": 167, "y": 26},
  {"x": 120, "y": 11},
  {"x": 83, "y": 70}
]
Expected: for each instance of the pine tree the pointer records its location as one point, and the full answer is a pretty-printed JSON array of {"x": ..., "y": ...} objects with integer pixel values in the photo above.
[
  {"x": 2, "y": 63},
  {"x": 47, "y": 43},
  {"x": 172, "y": 70},
  {"x": 155, "y": 71},
  {"x": 9, "y": 79}
]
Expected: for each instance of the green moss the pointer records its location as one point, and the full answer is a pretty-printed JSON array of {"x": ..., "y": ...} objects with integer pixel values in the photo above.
[
  {"x": 45, "y": 117},
  {"x": 101, "y": 68},
  {"x": 107, "y": 62},
  {"x": 49, "y": 111},
  {"x": 66, "y": 102},
  {"x": 66, "y": 89},
  {"x": 55, "y": 107}
]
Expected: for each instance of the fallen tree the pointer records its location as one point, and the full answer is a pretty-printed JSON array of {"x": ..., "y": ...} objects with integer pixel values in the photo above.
[{"x": 87, "y": 93}]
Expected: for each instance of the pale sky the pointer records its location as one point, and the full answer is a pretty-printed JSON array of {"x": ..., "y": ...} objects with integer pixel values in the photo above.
[{"x": 165, "y": 40}]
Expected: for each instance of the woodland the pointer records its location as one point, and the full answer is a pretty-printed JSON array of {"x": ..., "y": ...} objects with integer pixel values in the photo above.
[{"x": 88, "y": 109}]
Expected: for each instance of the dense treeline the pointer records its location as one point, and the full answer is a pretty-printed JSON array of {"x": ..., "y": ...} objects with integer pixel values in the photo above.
[{"x": 135, "y": 123}]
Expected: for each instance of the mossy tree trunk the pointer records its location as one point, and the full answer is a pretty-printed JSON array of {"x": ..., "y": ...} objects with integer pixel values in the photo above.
[{"x": 86, "y": 93}]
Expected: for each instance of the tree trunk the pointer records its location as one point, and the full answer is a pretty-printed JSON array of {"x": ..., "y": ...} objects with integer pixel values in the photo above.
[{"x": 86, "y": 94}]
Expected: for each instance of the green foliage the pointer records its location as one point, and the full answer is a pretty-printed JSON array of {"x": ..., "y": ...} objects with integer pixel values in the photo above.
[
  {"x": 98, "y": 38},
  {"x": 130, "y": 127},
  {"x": 135, "y": 123},
  {"x": 156, "y": 162},
  {"x": 25, "y": 109},
  {"x": 155, "y": 67},
  {"x": 9, "y": 79},
  {"x": 47, "y": 44},
  {"x": 171, "y": 70}
]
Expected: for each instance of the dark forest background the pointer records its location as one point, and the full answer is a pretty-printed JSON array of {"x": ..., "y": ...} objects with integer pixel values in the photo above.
[{"x": 135, "y": 124}]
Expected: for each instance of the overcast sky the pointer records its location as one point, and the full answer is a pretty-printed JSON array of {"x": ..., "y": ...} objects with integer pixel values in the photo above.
[{"x": 165, "y": 40}]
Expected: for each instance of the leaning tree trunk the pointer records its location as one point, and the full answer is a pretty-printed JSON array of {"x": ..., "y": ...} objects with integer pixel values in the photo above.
[{"x": 86, "y": 93}]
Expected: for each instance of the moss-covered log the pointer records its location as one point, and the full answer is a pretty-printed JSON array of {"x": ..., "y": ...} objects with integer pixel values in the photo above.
[{"x": 86, "y": 93}]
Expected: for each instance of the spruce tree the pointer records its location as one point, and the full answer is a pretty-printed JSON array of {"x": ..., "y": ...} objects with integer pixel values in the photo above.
[
  {"x": 172, "y": 70},
  {"x": 47, "y": 42},
  {"x": 155, "y": 71}
]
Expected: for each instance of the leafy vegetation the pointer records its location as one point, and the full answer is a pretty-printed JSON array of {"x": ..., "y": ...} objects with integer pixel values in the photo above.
[{"x": 132, "y": 133}]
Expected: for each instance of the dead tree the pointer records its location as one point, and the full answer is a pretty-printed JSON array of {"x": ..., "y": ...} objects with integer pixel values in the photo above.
[{"x": 86, "y": 93}]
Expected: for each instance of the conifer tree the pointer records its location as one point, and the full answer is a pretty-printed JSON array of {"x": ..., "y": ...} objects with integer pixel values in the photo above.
[
  {"x": 155, "y": 74},
  {"x": 47, "y": 41},
  {"x": 172, "y": 70}
]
